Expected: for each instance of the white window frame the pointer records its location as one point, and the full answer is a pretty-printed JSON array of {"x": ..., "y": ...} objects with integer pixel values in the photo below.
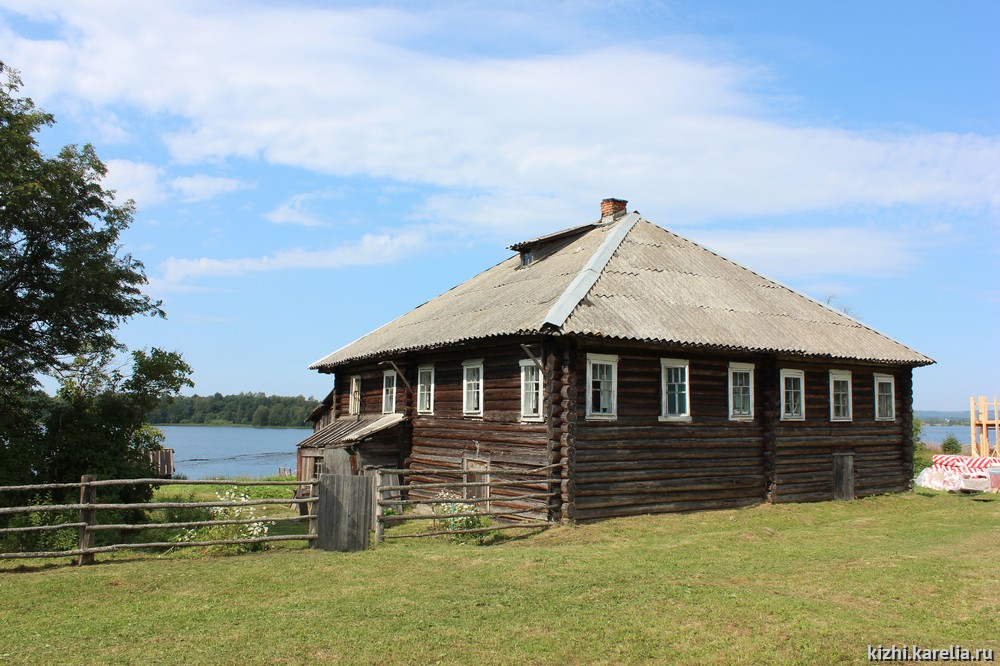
[
  {"x": 891, "y": 381},
  {"x": 602, "y": 359},
  {"x": 673, "y": 363},
  {"x": 354, "y": 399},
  {"x": 789, "y": 373},
  {"x": 526, "y": 366},
  {"x": 389, "y": 392},
  {"x": 740, "y": 368},
  {"x": 468, "y": 410},
  {"x": 425, "y": 389},
  {"x": 842, "y": 376}
]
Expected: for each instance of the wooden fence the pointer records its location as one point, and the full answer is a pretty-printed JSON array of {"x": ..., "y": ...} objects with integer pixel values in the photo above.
[
  {"x": 87, "y": 526},
  {"x": 980, "y": 424},
  {"x": 516, "y": 498}
]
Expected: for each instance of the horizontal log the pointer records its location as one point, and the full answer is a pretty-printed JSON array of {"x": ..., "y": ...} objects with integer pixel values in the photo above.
[
  {"x": 804, "y": 497},
  {"x": 668, "y": 485},
  {"x": 666, "y": 469},
  {"x": 654, "y": 479},
  {"x": 198, "y": 523},
  {"x": 467, "y": 514},
  {"x": 156, "y": 544},
  {"x": 668, "y": 475},
  {"x": 523, "y": 526},
  {"x": 150, "y": 505},
  {"x": 584, "y": 515},
  {"x": 41, "y": 528},
  {"x": 642, "y": 499},
  {"x": 705, "y": 453},
  {"x": 535, "y": 483},
  {"x": 156, "y": 482}
]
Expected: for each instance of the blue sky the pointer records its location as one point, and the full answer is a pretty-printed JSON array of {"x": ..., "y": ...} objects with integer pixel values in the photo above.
[{"x": 305, "y": 172}]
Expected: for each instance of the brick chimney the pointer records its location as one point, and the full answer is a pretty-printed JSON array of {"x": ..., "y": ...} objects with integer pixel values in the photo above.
[{"x": 612, "y": 209}]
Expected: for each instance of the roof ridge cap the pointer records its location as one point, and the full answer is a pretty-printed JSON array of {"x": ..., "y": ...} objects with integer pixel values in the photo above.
[{"x": 588, "y": 276}]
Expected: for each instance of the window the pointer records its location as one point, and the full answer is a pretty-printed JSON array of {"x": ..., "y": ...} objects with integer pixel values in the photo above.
[
  {"x": 388, "y": 391},
  {"x": 425, "y": 389},
  {"x": 526, "y": 258},
  {"x": 674, "y": 393},
  {"x": 602, "y": 386},
  {"x": 531, "y": 391},
  {"x": 840, "y": 395},
  {"x": 792, "y": 395},
  {"x": 472, "y": 387},
  {"x": 741, "y": 391},
  {"x": 885, "y": 398},
  {"x": 354, "y": 406}
]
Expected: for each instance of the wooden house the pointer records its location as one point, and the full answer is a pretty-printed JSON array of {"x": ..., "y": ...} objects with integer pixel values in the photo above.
[{"x": 650, "y": 373}]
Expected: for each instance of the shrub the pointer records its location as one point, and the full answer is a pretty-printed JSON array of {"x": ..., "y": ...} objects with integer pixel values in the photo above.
[
  {"x": 450, "y": 504},
  {"x": 49, "y": 540},
  {"x": 252, "y": 530},
  {"x": 951, "y": 445}
]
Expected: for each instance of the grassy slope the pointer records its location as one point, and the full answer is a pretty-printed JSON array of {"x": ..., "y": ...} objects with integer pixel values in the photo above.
[{"x": 770, "y": 584}]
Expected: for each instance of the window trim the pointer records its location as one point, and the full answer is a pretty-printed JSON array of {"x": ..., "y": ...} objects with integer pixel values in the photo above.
[
  {"x": 466, "y": 365},
  {"x": 385, "y": 375},
  {"x": 735, "y": 367},
  {"x": 602, "y": 359},
  {"x": 891, "y": 380},
  {"x": 430, "y": 392},
  {"x": 842, "y": 375},
  {"x": 685, "y": 416},
  {"x": 786, "y": 373},
  {"x": 533, "y": 418},
  {"x": 354, "y": 396}
]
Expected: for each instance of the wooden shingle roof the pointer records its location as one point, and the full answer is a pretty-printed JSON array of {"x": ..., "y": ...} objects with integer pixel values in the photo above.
[{"x": 629, "y": 279}]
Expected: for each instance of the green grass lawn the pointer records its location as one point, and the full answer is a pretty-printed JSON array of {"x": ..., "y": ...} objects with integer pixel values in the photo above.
[{"x": 810, "y": 584}]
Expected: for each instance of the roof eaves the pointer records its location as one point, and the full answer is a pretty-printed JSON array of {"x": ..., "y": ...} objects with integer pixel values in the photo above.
[
  {"x": 524, "y": 245},
  {"x": 587, "y": 277}
]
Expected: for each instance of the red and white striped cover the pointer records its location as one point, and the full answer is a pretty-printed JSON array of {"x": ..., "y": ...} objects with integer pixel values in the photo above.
[
  {"x": 965, "y": 461},
  {"x": 967, "y": 466}
]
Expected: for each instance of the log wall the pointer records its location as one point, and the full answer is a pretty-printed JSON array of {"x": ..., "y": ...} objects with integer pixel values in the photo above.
[
  {"x": 637, "y": 464},
  {"x": 446, "y": 437},
  {"x": 883, "y": 450}
]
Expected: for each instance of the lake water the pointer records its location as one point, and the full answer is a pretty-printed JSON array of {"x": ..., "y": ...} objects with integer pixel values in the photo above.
[
  {"x": 935, "y": 434},
  {"x": 202, "y": 452}
]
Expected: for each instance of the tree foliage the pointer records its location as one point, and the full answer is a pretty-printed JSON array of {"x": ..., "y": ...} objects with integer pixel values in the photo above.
[
  {"x": 65, "y": 282},
  {"x": 252, "y": 409}
]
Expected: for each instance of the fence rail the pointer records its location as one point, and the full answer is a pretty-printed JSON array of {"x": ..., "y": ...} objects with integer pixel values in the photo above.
[
  {"x": 88, "y": 507},
  {"x": 537, "y": 496}
]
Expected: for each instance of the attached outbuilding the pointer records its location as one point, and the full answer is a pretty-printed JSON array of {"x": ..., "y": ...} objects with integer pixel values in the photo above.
[{"x": 647, "y": 373}]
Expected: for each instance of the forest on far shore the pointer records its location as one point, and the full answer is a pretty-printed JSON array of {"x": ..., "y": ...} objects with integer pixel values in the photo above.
[{"x": 249, "y": 409}]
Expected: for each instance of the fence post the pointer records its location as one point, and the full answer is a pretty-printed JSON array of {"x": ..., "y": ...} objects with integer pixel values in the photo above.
[
  {"x": 88, "y": 495},
  {"x": 379, "y": 510}
]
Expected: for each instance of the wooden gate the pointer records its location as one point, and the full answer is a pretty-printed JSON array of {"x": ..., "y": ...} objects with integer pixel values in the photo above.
[{"x": 345, "y": 512}]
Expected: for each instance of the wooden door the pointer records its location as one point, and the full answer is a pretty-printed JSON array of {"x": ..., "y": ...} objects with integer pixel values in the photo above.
[{"x": 843, "y": 476}]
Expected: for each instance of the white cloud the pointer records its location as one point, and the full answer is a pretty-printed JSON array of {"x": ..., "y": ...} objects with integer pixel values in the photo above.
[
  {"x": 300, "y": 210},
  {"x": 201, "y": 187},
  {"x": 810, "y": 253},
  {"x": 371, "y": 249},
  {"x": 135, "y": 180},
  {"x": 346, "y": 92}
]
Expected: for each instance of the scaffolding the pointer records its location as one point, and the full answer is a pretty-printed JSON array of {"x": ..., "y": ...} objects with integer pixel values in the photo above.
[{"x": 980, "y": 425}]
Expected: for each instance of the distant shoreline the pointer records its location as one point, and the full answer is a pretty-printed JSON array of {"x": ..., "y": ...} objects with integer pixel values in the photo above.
[{"x": 230, "y": 425}]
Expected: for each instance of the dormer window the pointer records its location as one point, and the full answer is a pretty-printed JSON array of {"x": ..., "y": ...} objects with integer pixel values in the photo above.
[{"x": 526, "y": 258}]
